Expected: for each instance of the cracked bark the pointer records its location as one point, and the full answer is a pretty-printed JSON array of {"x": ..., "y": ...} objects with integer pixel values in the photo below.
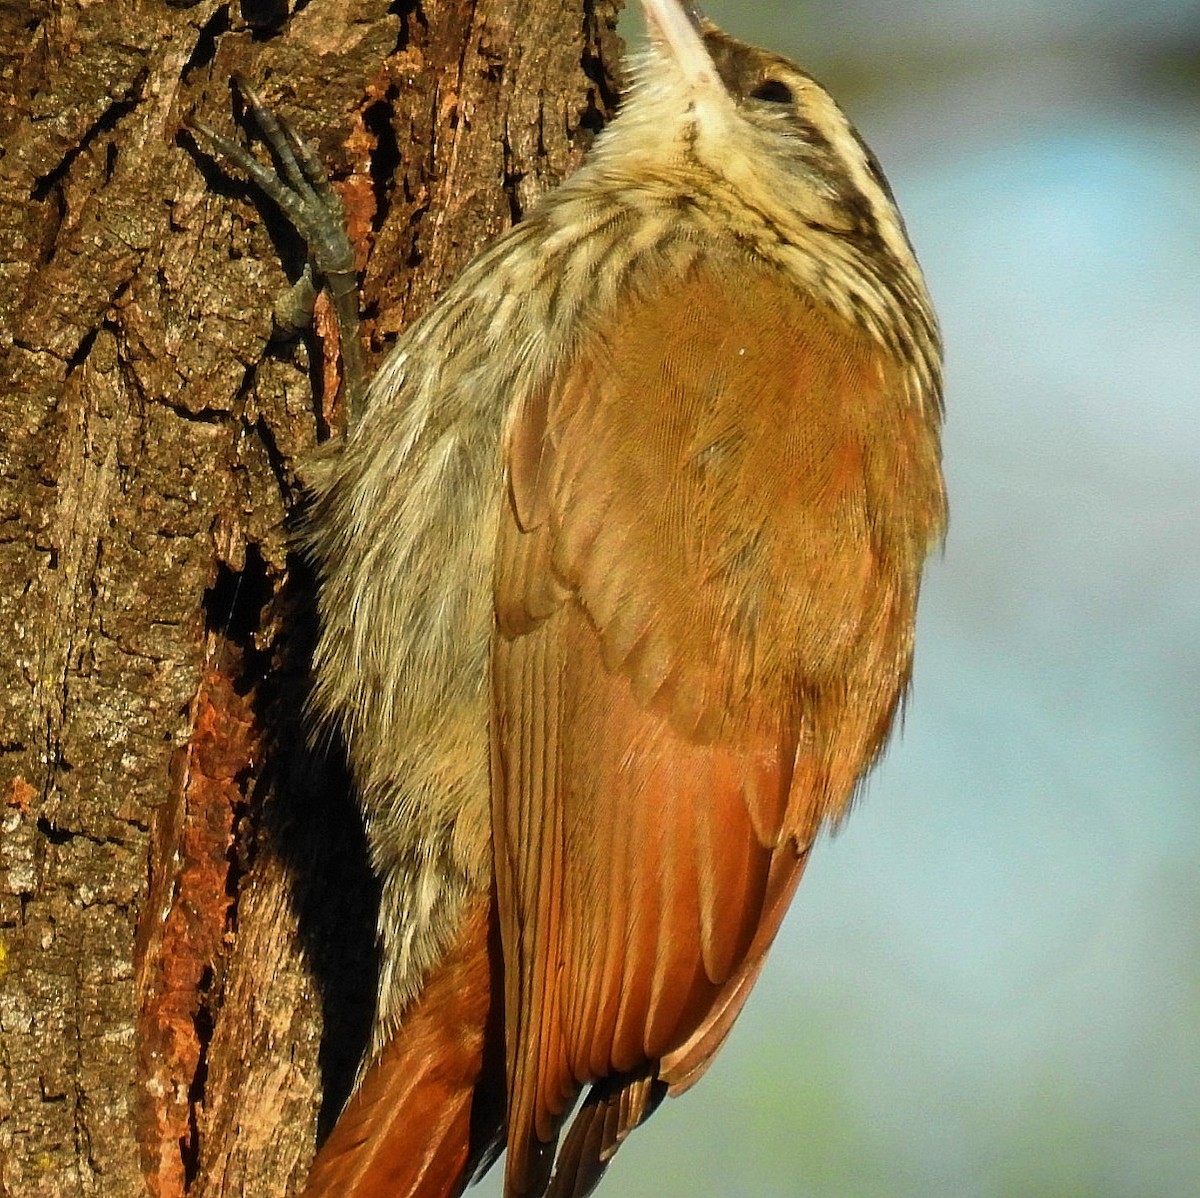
[{"x": 185, "y": 910}]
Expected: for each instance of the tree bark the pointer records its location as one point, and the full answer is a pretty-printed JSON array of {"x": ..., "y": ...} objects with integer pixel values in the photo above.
[{"x": 186, "y": 912}]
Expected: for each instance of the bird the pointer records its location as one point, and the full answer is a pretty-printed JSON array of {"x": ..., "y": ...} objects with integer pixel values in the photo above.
[{"x": 617, "y": 569}]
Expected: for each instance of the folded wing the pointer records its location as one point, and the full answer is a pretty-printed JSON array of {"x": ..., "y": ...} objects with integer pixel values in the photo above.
[{"x": 706, "y": 575}]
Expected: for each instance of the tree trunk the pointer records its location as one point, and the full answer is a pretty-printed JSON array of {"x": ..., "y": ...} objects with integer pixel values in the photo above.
[{"x": 186, "y": 913}]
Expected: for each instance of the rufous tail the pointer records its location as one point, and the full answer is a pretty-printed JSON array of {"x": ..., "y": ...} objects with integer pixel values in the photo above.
[{"x": 427, "y": 1111}]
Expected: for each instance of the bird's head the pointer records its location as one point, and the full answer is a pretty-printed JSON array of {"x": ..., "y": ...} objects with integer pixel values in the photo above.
[{"x": 704, "y": 100}]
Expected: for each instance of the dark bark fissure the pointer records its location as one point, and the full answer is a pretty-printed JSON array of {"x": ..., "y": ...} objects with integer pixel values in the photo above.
[
  {"x": 106, "y": 122},
  {"x": 205, "y": 49}
]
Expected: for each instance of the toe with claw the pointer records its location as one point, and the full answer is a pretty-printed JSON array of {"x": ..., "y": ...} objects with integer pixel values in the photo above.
[{"x": 299, "y": 186}]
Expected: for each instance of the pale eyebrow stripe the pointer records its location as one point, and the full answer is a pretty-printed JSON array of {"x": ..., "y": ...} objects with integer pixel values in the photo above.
[{"x": 864, "y": 173}]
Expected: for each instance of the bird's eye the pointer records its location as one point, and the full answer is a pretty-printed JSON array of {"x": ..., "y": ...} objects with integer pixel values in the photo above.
[{"x": 774, "y": 91}]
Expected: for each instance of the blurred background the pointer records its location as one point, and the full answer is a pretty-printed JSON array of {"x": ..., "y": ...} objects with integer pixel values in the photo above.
[{"x": 989, "y": 984}]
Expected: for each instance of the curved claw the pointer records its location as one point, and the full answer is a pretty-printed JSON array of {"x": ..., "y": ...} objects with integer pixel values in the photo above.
[{"x": 299, "y": 187}]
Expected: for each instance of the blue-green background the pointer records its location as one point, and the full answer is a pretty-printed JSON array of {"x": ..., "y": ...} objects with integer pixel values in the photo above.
[{"x": 990, "y": 982}]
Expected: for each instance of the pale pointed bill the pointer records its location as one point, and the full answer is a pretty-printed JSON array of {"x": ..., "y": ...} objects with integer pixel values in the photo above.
[{"x": 675, "y": 26}]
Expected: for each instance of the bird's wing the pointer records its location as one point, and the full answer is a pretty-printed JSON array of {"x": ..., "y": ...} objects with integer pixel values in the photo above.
[{"x": 688, "y": 578}]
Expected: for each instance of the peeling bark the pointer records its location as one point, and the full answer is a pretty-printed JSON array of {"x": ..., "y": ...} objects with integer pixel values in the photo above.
[{"x": 186, "y": 915}]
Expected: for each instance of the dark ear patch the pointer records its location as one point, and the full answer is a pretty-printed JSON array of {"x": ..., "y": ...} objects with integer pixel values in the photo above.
[{"x": 774, "y": 91}]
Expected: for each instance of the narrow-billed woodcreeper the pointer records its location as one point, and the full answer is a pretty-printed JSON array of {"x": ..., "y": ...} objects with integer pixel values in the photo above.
[{"x": 618, "y": 568}]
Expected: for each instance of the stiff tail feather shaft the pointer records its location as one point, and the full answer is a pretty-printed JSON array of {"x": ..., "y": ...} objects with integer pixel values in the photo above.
[{"x": 429, "y": 1110}]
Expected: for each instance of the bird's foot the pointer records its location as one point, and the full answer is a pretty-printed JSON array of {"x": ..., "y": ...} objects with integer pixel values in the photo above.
[{"x": 299, "y": 187}]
